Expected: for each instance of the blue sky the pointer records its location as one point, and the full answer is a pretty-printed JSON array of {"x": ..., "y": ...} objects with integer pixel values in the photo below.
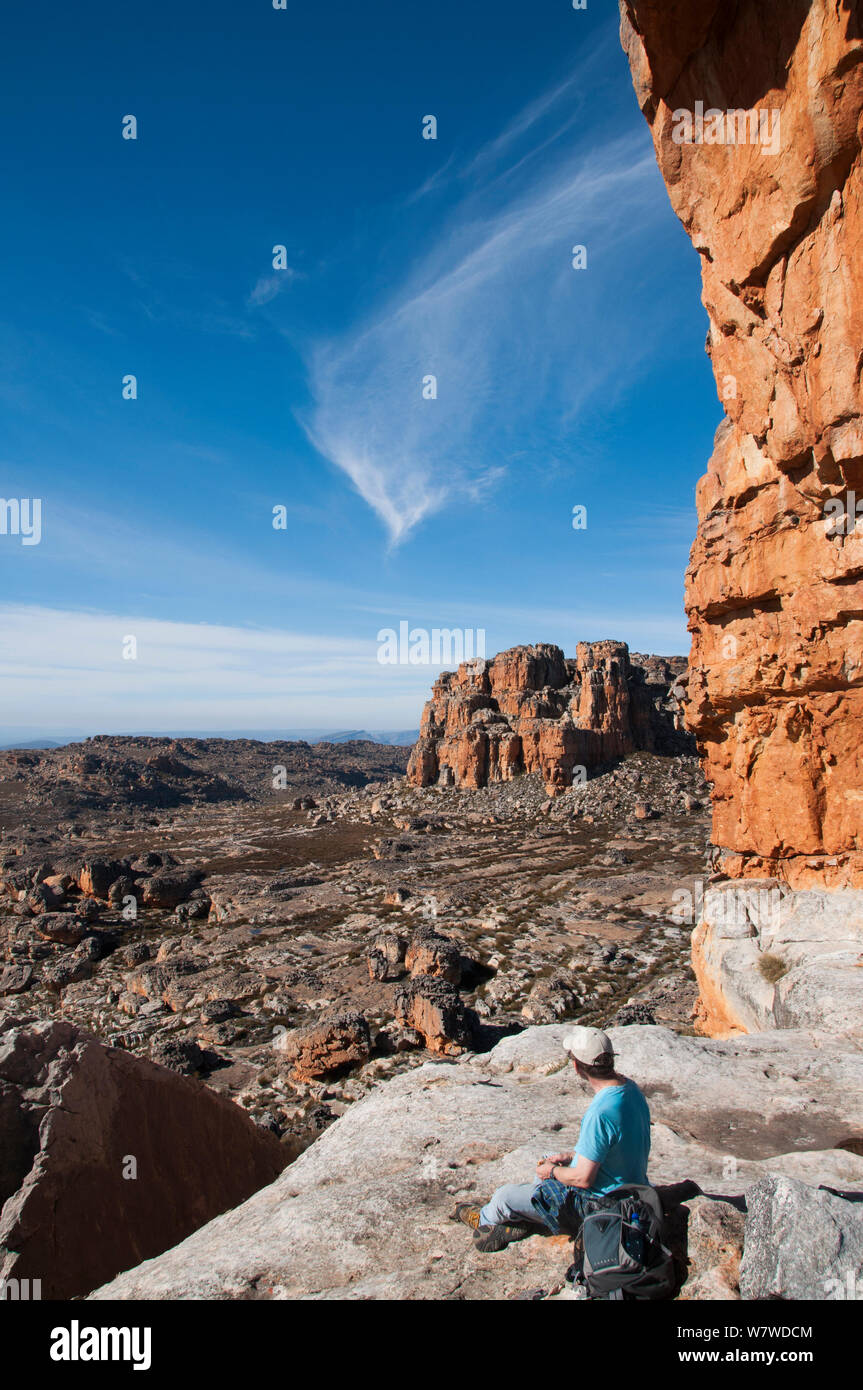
[{"x": 302, "y": 388}]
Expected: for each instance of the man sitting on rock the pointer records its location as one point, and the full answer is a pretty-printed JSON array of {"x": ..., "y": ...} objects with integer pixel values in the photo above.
[{"x": 612, "y": 1149}]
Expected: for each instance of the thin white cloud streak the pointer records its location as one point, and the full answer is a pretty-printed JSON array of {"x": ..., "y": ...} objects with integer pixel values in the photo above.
[
  {"x": 530, "y": 116},
  {"x": 62, "y": 668},
  {"x": 268, "y": 287},
  {"x": 580, "y": 79},
  {"x": 497, "y": 314}
]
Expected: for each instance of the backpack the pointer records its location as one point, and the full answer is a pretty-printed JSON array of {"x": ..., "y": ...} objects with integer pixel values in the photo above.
[{"x": 622, "y": 1253}]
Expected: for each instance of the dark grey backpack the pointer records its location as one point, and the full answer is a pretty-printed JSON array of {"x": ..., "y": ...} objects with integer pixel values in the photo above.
[{"x": 623, "y": 1255}]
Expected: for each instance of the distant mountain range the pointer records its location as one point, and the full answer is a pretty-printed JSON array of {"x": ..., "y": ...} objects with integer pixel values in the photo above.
[
  {"x": 399, "y": 737},
  {"x": 39, "y": 743}
]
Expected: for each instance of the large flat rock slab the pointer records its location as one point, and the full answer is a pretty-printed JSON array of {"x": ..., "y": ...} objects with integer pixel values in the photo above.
[{"x": 364, "y": 1213}]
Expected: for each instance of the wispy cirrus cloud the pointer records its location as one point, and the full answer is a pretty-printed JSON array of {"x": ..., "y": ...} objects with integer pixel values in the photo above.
[
  {"x": 268, "y": 287},
  {"x": 515, "y": 338}
]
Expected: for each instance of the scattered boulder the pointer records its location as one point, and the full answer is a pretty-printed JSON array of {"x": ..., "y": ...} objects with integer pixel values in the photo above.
[
  {"x": 429, "y": 952},
  {"x": 63, "y": 928},
  {"x": 550, "y": 1000},
  {"x": 218, "y": 1010},
  {"x": 68, "y": 971},
  {"x": 123, "y": 888},
  {"x": 16, "y": 979},
  {"x": 395, "y": 1039},
  {"x": 97, "y": 875},
  {"x": 178, "y": 1054},
  {"x": 135, "y": 953},
  {"x": 15, "y": 882},
  {"x": 633, "y": 1012},
  {"x": 714, "y": 1241},
  {"x": 94, "y": 947},
  {"x": 153, "y": 979},
  {"x": 46, "y": 897},
  {"x": 150, "y": 862},
  {"x": 64, "y": 881},
  {"x": 386, "y": 956},
  {"x": 433, "y": 1007},
  {"x": 335, "y": 1042},
  {"x": 169, "y": 888},
  {"x": 195, "y": 910}
]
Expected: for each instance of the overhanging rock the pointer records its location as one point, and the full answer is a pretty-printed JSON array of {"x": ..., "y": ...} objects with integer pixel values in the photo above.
[{"x": 107, "y": 1159}]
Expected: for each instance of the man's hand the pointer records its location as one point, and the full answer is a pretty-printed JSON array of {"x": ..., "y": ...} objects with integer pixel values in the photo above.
[
  {"x": 547, "y": 1162},
  {"x": 581, "y": 1174}
]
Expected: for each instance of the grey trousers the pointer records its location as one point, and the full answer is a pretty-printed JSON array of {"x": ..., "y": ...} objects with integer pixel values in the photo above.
[{"x": 511, "y": 1203}]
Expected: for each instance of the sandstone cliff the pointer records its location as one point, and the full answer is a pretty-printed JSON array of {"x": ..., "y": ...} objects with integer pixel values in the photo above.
[
  {"x": 530, "y": 709},
  {"x": 774, "y": 588}
]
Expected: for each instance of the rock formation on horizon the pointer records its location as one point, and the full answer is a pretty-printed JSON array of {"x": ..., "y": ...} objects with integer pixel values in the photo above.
[
  {"x": 774, "y": 597},
  {"x": 531, "y": 709}
]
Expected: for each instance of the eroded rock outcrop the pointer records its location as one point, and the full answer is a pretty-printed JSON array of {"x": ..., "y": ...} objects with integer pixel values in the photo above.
[
  {"x": 433, "y": 1008},
  {"x": 337, "y": 1041},
  {"x": 530, "y": 709},
  {"x": 768, "y": 186},
  {"x": 107, "y": 1159},
  {"x": 429, "y": 952}
]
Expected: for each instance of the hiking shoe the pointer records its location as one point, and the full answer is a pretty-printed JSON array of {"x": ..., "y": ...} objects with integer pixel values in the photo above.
[
  {"x": 469, "y": 1215},
  {"x": 489, "y": 1239}
]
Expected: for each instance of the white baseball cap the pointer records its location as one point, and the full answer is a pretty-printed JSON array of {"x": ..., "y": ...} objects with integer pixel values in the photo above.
[{"x": 587, "y": 1045}]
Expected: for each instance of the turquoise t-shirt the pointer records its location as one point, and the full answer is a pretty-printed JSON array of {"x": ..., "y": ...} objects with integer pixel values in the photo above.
[{"x": 615, "y": 1133}]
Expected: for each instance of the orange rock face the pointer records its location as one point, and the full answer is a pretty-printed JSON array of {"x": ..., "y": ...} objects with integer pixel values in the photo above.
[
  {"x": 337, "y": 1041},
  {"x": 774, "y": 588},
  {"x": 531, "y": 709}
]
